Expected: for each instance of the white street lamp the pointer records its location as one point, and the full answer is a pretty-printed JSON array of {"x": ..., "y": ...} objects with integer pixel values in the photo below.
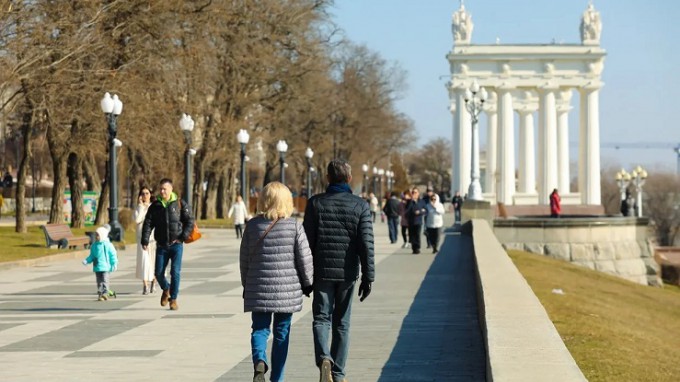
[
  {"x": 364, "y": 168},
  {"x": 243, "y": 137},
  {"x": 282, "y": 147},
  {"x": 638, "y": 177},
  {"x": 474, "y": 103},
  {"x": 309, "y": 154},
  {"x": 186, "y": 124},
  {"x": 112, "y": 107}
]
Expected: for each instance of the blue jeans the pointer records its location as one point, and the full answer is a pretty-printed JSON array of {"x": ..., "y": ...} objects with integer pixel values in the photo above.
[
  {"x": 260, "y": 334},
  {"x": 332, "y": 308},
  {"x": 165, "y": 255},
  {"x": 393, "y": 226}
]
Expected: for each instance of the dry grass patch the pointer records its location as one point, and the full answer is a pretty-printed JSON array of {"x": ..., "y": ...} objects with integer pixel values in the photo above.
[{"x": 615, "y": 330}]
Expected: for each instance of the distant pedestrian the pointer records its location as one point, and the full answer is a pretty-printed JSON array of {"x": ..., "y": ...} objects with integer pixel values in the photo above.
[
  {"x": 404, "y": 220},
  {"x": 171, "y": 221},
  {"x": 104, "y": 261},
  {"x": 434, "y": 221},
  {"x": 2, "y": 203},
  {"x": 555, "y": 207},
  {"x": 426, "y": 201},
  {"x": 7, "y": 180},
  {"x": 391, "y": 211},
  {"x": 415, "y": 211},
  {"x": 146, "y": 258},
  {"x": 340, "y": 233},
  {"x": 240, "y": 213},
  {"x": 457, "y": 203},
  {"x": 374, "y": 206},
  {"x": 276, "y": 270}
]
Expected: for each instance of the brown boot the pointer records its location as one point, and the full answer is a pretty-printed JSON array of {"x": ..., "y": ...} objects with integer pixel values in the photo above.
[
  {"x": 325, "y": 369},
  {"x": 173, "y": 305},
  {"x": 165, "y": 296}
]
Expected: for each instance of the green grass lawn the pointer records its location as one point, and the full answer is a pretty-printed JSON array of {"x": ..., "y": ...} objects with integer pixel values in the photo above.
[{"x": 615, "y": 330}]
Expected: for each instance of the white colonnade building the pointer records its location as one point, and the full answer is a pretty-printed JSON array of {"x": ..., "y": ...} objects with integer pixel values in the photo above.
[{"x": 536, "y": 81}]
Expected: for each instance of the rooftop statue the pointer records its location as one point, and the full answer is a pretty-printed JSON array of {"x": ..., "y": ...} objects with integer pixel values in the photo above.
[
  {"x": 461, "y": 26},
  {"x": 591, "y": 26}
]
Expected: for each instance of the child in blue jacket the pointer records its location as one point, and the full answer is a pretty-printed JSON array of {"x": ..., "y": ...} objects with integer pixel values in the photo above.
[{"x": 104, "y": 259}]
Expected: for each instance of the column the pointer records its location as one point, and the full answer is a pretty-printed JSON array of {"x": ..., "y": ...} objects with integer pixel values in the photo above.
[
  {"x": 506, "y": 147},
  {"x": 455, "y": 144},
  {"x": 547, "y": 131},
  {"x": 462, "y": 131},
  {"x": 491, "y": 143},
  {"x": 527, "y": 160},
  {"x": 563, "y": 176},
  {"x": 589, "y": 145}
]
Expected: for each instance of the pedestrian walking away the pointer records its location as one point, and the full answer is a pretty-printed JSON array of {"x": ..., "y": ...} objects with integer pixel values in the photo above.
[
  {"x": 457, "y": 203},
  {"x": 340, "y": 233},
  {"x": 146, "y": 258},
  {"x": 426, "y": 202},
  {"x": 373, "y": 202},
  {"x": 555, "y": 204},
  {"x": 276, "y": 270},
  {"x": 104, "y": 261},
  {"x": 415, "y": 210},
  {"x": 434, "y": 221},
  {"x": 391, "y": 210},
  {"x": 240, "y": 213},
  {"x": 402, "y": 216},
  {"x": 171, "y": 221}
]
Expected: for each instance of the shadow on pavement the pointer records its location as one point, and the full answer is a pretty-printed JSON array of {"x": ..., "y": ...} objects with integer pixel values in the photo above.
[{"x": 440, "y": 338}]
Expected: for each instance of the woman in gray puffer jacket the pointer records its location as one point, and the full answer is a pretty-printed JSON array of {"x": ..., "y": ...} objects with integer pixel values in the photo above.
[{"x": 276, "y": 269}]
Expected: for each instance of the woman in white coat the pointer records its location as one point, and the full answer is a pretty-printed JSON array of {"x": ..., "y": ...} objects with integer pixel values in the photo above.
[
  {"x": 146, "y": 260},
  {"x": 434, "y": 221},
  {"x": 240, "y": 213}
]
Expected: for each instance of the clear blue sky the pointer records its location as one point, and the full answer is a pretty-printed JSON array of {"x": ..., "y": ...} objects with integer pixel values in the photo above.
[{"x": 641, "y": 75}]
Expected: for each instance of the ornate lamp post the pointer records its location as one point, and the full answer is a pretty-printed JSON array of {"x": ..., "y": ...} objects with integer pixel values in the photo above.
[
  {"x": 243, "y": 139},
  {"x": 390, "y": 180},
  {"x": 677, "y": 151},
  {"x": 375, "y": 180},
  {"x": 282, "y": 147},
  {"x": 309, "y": 154},
  {"x": 186, "y": 123},
  {"x": 381, "y": 172},
  {"x": 364, "y": 168},
  {"x": 638, "y": 177},
  {"x": 474, "y": 105},
  {"x": 622, "y": 180},
  {"x": 112, "y": 107}
]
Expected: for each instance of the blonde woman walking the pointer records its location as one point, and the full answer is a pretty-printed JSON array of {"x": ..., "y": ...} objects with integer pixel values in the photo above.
[{"x": 276, "y": 270}]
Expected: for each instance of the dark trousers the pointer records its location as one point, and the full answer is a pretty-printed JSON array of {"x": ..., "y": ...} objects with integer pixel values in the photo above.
[
  {"x": 404, "y": 233},
  {"x": 456, "y": 213},
  {"x": 433, "y": 235},
  {"x": 239, "y": 230},
  {"x": 414, "y": 237},
  {"x": 332, "y": 308},
  {"x": 392, "y": 224}
]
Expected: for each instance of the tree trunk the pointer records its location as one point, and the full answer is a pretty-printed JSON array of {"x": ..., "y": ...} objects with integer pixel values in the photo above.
[
  {"x": 221, "y": 195},
  {"x": 91, "y": 173},
  {"x": 75, "y": 180},
  {"x": 21, "y": 175},
  {"x": 210, "y": 199}
]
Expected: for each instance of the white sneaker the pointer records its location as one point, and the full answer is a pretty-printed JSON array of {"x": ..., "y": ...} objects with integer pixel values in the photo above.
[{"x": 404, "y": 245}]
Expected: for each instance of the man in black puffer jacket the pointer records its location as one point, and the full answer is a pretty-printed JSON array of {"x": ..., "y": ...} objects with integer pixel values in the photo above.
[
  {"x": 171, "y": 221},
  {"x": 340, "y": 233}
]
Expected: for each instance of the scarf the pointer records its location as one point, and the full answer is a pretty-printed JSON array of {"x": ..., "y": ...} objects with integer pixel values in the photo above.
[{"x": 335, "y": 188}]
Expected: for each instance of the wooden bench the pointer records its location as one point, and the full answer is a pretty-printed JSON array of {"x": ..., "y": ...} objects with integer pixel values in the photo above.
[{"x": 61, "y": 236}]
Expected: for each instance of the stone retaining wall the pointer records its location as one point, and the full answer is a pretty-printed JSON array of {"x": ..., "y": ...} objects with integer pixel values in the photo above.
[
  {"x": 615, "y": 245},
  {"x": 522, "y": 343}
]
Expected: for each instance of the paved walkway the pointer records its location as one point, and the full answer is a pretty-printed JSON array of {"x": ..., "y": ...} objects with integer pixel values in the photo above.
[{"x": 419, "y": 324}]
